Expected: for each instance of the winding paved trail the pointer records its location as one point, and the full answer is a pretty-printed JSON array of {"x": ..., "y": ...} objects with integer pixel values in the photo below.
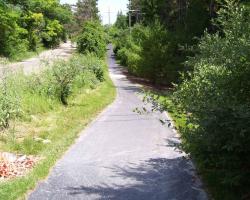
[
  {"x": 123, "y": 156},
  {"x": 34, "y": 64}
]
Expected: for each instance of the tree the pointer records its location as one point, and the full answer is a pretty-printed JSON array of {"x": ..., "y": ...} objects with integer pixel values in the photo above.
[
  {"x": 25, "y": 23},
  {"x": 121, "y": 21},
  {"x": 52, "y": 34},
  {"x": 86, "y": 10},
  {"x": 11, "y": 34},
  {"x": 33, "y": 23},
  {"x": 92, "y": 39}
]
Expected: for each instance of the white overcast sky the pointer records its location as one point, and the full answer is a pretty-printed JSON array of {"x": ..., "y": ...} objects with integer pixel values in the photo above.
[{"x": 104, "y": 6}]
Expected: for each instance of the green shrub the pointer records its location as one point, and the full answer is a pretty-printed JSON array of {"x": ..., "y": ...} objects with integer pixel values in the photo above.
[
  {"x": 94, "y": 65},
  {"x": 133, "y": 63},
  {"x": 217, "y": 97},
  {"x": 53, "y": 33},
  {"x": 21, "y": 95},
  {"x": 113, "y": 33},
  {"x": 11, "y": 34},
  {"x": 151, "y": 52},
  {"x": 120, "y": 40},
  {"x": 9, "y": 101},
  {"x": 122, "y": 55},
  {"x": 92, "y": 39},
  {"x": 128, "y": 48},
  {"x": 161, "y": 61},
  {"x": 59, "y": 80}
]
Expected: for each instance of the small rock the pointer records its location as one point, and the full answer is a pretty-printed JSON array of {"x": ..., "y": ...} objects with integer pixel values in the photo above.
[
  {"x": 38, "y": 139},
  {"x": 88, "y": 91},
  {"x": 22, "y": 158},
  {"x": 46, "y": 141},
  {"x": 34, "y": 118},
  {"x": 9, "y": 157}
]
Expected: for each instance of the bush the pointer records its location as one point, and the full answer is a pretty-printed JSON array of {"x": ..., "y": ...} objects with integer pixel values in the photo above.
[
  {"x": 160, "y": 60},
  {"x": 122, "y": 55},
  {"x": 53, "y": 33},
  {"x": 92, "y": 39},
  {"x": 11, "y": 34},
  {"x": 9, "y": 101},
  {"x": 123, "y": 39},
  {"x": 39, "y": 93},
  {"x": 33, "y": 23},
  {"x": 93, "y": 64},
  {"x": 151, "y": 52},
  {"x": 59, "y": 80},
  {"x": 217, "y": 97},
  {"x": 127, "y": 48},
  {"x": 133, "y": 62}
]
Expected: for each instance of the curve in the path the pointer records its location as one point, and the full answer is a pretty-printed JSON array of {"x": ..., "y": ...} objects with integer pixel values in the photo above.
[{"x": 123, "y": 156}]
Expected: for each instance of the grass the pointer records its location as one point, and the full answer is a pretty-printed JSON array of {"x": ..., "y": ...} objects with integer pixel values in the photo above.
[
  {"x": 61, "y": 125},
  {"x": 27, "y": 54}
]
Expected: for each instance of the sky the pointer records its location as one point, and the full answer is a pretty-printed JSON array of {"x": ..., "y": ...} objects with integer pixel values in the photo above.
[{"x": 104, "y": 6}]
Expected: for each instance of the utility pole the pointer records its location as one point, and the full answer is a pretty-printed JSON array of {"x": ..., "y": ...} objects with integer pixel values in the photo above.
[
  {"x": 129, "y": 13},
  {"x": 109, "y": 12},
  {"x": 109, "y": 16}
]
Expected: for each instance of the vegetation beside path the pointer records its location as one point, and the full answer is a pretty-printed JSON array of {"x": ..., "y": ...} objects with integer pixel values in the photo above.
[
  {"x": 53, "y": 107},
  {"x": 42, "y": 114},
  {"x": 199, "y": 49}
]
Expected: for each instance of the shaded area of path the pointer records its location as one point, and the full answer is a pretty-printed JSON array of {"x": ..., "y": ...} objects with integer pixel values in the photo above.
[
  {"x": 34, "y": 64},
  {"x": 123, "y": 156}
]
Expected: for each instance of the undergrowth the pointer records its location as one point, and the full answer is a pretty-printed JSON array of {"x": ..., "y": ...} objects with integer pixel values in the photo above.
[{"x": 40, "y": 114}]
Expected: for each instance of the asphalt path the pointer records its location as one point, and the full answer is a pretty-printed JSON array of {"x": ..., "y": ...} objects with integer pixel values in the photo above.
[{"x": 123, "y": 155}]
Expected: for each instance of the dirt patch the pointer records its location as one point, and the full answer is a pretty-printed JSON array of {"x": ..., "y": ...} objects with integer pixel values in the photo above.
[{"x": 147, "y": 84}]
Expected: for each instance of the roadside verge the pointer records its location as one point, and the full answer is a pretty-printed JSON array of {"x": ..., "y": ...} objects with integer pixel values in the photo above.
[{"x": 65, "y": 124}]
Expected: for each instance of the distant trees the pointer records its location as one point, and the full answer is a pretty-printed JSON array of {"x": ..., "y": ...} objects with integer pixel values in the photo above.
[
  {"x": 171, "y": 25},
  {"x": 183, "y": 21},
  {"x": 178, "y": 15},
  {"x": 121, "y": 21},
  {"x": 86, "y": 10},
  {"x": 92, "y": 39},
  {"x": 91, "y": 36},
  {"x": 26, "y": 24}
]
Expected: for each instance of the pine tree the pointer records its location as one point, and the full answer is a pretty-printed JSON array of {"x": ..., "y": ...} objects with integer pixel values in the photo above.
[{"x": 86, "y": 10}]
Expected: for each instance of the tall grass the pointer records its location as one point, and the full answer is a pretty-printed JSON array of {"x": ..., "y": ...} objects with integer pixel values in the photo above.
[{"x": 44, "y": 116}]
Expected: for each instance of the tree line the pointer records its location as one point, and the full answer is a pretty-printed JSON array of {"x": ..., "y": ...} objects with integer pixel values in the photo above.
[
  {"x": 199, "y": 49},
  {"x": 26, "y": 25}
]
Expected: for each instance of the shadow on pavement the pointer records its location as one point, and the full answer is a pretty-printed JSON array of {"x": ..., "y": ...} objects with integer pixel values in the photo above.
[{"x": 155, "y": 179}]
